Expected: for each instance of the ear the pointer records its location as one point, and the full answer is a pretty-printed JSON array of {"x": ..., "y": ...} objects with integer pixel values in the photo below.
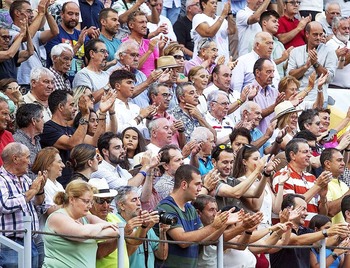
[
  {"x": 116, "y": 86},
  {"x": 244, "y": 162},
  {"x": 327, "y": 164},
  {"x": 105, "y": 152},
  {"x": 183, "y": 185},
  {"x": 214, "y": 162},
  {"x": 347, "y": 214},
  {"x": 182, "y": 99}
]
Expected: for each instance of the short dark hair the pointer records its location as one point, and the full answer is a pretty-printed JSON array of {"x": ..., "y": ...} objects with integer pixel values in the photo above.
[
  {"x": 306, "y": 134},
  {"x": 165, "y": 157},
  {"x": 306, "y": 117},
  {"x": 241, "y": 131},
  {"x": 202, "y": 200},
  {"x": 104, "y": 140},
  {"x": 16, "y": 5},
  {"x": 289, "y": 200},
  {"x": 104, "y": 14},
  {"x": 345, "y": 205},
  {"x": 119, "y": 75},
  {"x": 91, "y": 46},
  {"x": 293, "y": 146},
  {"x": 26, "y": 113},
  {"x": 184, "y": 173},
  {"x": 56, "y": 98},
  {"x": 327, "y": 154},
  {"x": 265, "y": 16},
  {"x": 318, "y": 221},
  {"x": 133, "y": 15},
  {"x": 259, "y": 64},
  {"x": 215, "y": 154},
  {"x": 154, "y": 89}
]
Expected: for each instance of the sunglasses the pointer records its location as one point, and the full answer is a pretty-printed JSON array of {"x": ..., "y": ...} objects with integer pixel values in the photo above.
[
  {"x": 179, "y": 57},
  {"x": 224, "y": 146},
  {"x": 101, "y": 201}
]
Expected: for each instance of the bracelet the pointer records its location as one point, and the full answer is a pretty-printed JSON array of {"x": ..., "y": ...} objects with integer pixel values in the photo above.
[
  {"x": 319, "y": 90},
  {"x": 230, "y": 13},
  {"x": 206, "y": 188},
  {"x": 181, "y": 130},
  {"x": 266, "y": 175},
  {"x": 103, "y": 118},
  {"x": 112, "y": 113},
  {"x": 100, "y": 113},
  {"x": 143, "y": 226},
  {"x": 143, "y": 173},
  {"x": 334, "y": 255},
  {"x": 323, "y": 202},
  {"x": 220, "y": 18},
  {"x": 281, "y": 184},
  {"x": 278, "y": 141},
  {"x": 41, "y": 193},
  {"x": 248, "y": 232},
  {"x": 239, "y": 101}
]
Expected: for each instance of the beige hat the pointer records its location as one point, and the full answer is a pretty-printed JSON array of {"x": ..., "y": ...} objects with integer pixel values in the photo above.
[
  {"x": 102, "y": 187},
  {"x": 285, "y": 107},
  {"x": 167, "y": 62}
]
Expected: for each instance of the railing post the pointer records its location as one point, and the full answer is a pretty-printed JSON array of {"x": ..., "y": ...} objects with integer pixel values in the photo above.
[
  {"x": 27, "y": 222},
  {"x": 220, "y": 252},
  {"x": 323, "y": 254},
  {"x": 121, "y": 245}
]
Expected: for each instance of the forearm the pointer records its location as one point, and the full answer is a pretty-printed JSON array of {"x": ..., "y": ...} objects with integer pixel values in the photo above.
[
  {"x": 311, "y": 193},
  {"x": 162, "y": 251},
  {"x": 210, "y": 31},
  {"x": 143, "y": 58},
  {"x": 267, "y": 111},
  {"x": 154, "y": 18},
  {"x": 231, "y": 29},
  {"x": 182, "y": 139},
  {"x": 342, "y": 124},
  {"x": 113, "y": 123},
  {"x": 52, "y": 24},
  {"x": 76, "y": 47},
  {"x": 140, "y": 88},
  {"x": 136, "y": 180},
  {"x": 232, "y": 232},
  {"x": 146, "y": 193},
  {"x": 287, "y": 37},
  {"x": 278, "y": 199},
  {"x": 319, "y": 100},
  {"x": 299, "y": 72},
  {"x": 273, "y": 149},
  {"x": 260, "y": 142},
  {"x": 36, "y": 23},
  {"x": 106, "y": 248},
  {"x": 101, "y": 128}
]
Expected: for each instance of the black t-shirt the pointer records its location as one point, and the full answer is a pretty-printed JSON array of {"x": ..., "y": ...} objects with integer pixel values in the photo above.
[
  {"x": 182, "y": 29},
  {"x": 8, "y": 68}
]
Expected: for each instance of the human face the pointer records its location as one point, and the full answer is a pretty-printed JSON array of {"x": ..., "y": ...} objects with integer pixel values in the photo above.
[
  {"x": 302, "y": 157},
  {"x": 5, "y": 39},
  {"x": 208, "y": 213},
  {"x": 63, "y": 62},
  {"x": 176, "y": 160},
  {"x": 211, "y": 52},
  {"x": 125, "y": 88},
  {"x": 159, "y": 6},
  {"x": 39, "y": 124},
  {"x": 132, "y": 205},
  {"x": 130, "y": 57},
  {"x": 200, "y": 79},
  {"x": 116, "y": 153},
  {"x": 69, "y": 109},
  {"x": 93, "y": 123},
  {"x": 255, "y": 115},
  {"x": 111, "y": 23},
  {"x": 315, "y": 126},
  {"x": 55, "y": 169},
  {"x": 293, "y": 120},
  {"x": 82, "y": 204},
  {"x": 219, "y": 108},
  {"x": 337, "y": 164},
  {"x": 22, "y": 162},
  {"x": 325, "y": 120},
  {"x": 291, "y": 7},
  {"x": 314, "y": 37},
  {"x": 43, "y": 87},
  {"x": 266, "y": 75},
  {"x": 101, "y": 210},
  {"x": 162, "y": 99},
  {"x": 88, "y": 92},
  {"x": 179, "y": 57},
  {"x": 254, "y": 4},
  {"x": 194, "y": 9},
  {"x": 139, "y": 26},
  {"x": 223, "y": 79},
  {"x": 265, "y": 47},
  {"x": 130, "y": 140},
  {"x": 224, "y": 164},
  {"x": 343, "y": 31},
  {"x": 332, "y": 11},
  {"x": 210, "y": 7},
  {"x": 26, "y": 12},
  {"x": 190, "y": 95},
  {"x": 100, "y": 54},
  {"x": 239, "y": 142},
  {"x": 291, "y": 90},
  {"x": 252, "y": 161},
  {"x": 298, "y": 202},
  {"x": 70, "y": 17},
  {"x": 4, "y": 115},
  {"x": 271, "y": 25},
  {"x": 194, "y": 187},
  {"x": 208, "y": 145},
  {"x": 163, "y": 134}
]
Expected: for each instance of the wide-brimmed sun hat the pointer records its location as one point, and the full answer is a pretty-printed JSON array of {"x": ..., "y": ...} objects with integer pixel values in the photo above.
[
  {"x": 167, "y": 62},
  {"x": 102, "y": 187},
  {"x": 285, "y": 107}
]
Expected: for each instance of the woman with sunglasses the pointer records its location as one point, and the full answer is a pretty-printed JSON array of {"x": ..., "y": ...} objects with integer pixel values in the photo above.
[
  {"x": 74, "y": 219},
  {"x": 176, "y": 50},
  {"x": 83, "y": 160}
]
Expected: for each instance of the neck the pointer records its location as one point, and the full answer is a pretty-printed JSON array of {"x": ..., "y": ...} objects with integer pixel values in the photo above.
[
  {"x": 109, "y": 162},
  {"x": 41, "y": 99},
  {"x": 209, "y": 14},
  {"x": 87, "y": 172},
  {"x": 130, "y": 153},
  {"x": 296, "y": 168},
  {"x": 290, "y": 16},
  {"x": 190, "y": 16},
  {"x": 30, "y": 132},
  {"x": 56, "y": 70},
  {"x": 125, "y": 100},
  {"x": 179, "y": 199},
  {"x": 217, "y": 117},
  {"x": 12, "y": 169},
  {"x": 71, "y": 213},
  {"x": 59, "y": 120},
  {"x": 137, "y": 37},
  {"x": 94, "y": 67},
  {"x": 106, "y": 34},
  {"x": 68, "y": 30}
]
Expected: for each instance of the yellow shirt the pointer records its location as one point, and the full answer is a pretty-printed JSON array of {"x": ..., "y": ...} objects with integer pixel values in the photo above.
[{"x": 336, "y": 189}]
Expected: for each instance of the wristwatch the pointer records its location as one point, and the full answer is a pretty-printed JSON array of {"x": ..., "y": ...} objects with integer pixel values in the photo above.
[
  {"x": 316, "y": 65},
  {"x": 106, "y": 87},
  {"x": 83, "y": 121},
  {"x": 324, "y": 232}
]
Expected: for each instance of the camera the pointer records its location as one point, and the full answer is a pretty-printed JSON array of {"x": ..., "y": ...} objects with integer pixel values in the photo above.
[{"x": 167, "y": 218}]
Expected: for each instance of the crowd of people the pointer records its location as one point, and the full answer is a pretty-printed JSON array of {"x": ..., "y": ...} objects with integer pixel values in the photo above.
[{"x": 182, "y": 120}]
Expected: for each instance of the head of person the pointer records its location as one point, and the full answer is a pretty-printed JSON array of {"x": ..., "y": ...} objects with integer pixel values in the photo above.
[
  {"x": 298, "y": 153},
  {"x": 239, "y": 137},
  {"x": 310, "y": 138},
  {"x": 310, "y": 120},
  {"x": 16, "y": 158},
  {"x": 160, "y": 132},
  {"x": 175, "y": 49},
  {"x": 4, "y": 114},
  {"x": 320, "y": 222},
  {"x": 109, "y": 21},
  {"x": 296, "y": 201},
  {"x": 128, "y": 54},
  {"x": 345, "y": 208},
  {"x": 61, "y": 103},
  {"x": 291, "y": 7},
  {"x": 160, "y": 95},
  {"x": 172, "y": 158},
  {"x": 128, "y": 202},
  {"x": 62, "y": 55},
  {"x": 218, "y": 104},
  {"x": 325, "y": 118},
  {"x": 168, "y": 63},
  {"x": 78, "y": 196},
  {"x": 254, "y": 4},
  {"x": 206, "y": 208},
  {"x": 83, "y": 157},
  {"x": 137, "y": 23},
  {"x": 206, "y": 138},
  {"x": 96, "y": 53},
  {"x": 70, "y": 15},
  {"x": 269, "y": 21},
  {"x": 92, "y": 125},
  {"x": 264, "y": 72},
  {"x": 41, "y": 82},
  {"x": 186, "y": 94},
  {"x": 83, "y": 91},
  {"x": 313, "y": 34},
  {"x": 8, "y": 86},
  {"x": 207, "y": 49},
  {"x": 251, "y": 112},
  {"x": 332, "y": 10},
  {"x": 48, "y": 159},
  {"x": 341, "y": 28},
  {"x": 103, "y": 197},
  {"x": 123, "y": 82},
  {"x": 199, "y": 76},
  {"x": 208, "y": 6},
  {"x": 133, "y": 141},
  {"x": 5, "y": 39},
  {"x": 223, "y": 159},
  {"x": 20, "y": 10},
  {"x": 111, "y": 148},
  {"x": 192, "y": 7},
  {"x": 222, "y": 77},
  {"x": 159, "y": 5},
  {"x": 332, "y": 160},
  {"x": 263, "y": 44},
  {"x": 246, "y": 160},
  {"x": 289, "y": 85},
  {"x": 30, "y": 115},
  {"x": 188, "y": 182},
  {"x": 286, "y": 114}
]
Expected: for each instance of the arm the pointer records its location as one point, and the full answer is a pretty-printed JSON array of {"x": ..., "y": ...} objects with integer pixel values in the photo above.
[
  {"x": 288, "y": 36},
  {"x": 106, "y": 248},
  {"x": 162, "y": 250},
  {"x": 49, "y": 34},
  {"x": 23, "y": 55},
  {"x": 256, "y": 15},
  {"x": 154, "y": 17}
]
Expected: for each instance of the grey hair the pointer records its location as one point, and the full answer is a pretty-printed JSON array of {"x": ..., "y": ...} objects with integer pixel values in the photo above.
[
  {"x": 204, "y": 43},
  {"x": 189, "y": 3},
  {"x": 180, "y": 89},
  {"x": 336, "y": 21},
  {"x": 11, "y": 149},
  {"x": 123, "y": 191},
  {"x": 200, "y": 134},
  {"x": 59, "y": 48},
  {"x": 213, "y": 97},
  {"x": 37, "y": 72},
  {"x": 124, "y": 47},
  {"x": 260, "y": 37},
  {"x": 247, "y": 106},
  {"x": 154, "y": 124},
  {"x": 331, "y": 4},
  {"x": 153, "y": 88}
]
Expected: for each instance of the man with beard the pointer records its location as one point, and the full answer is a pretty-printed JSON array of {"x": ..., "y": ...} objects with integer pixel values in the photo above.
[
  {"x": 340, "y": 43},
  {"x": 113, "y": 153},
  {"x": 93, "y": 75},
  {"x": 314, "y": 56},
  {"x": 69, "y": 35},
  {"x": 58, "y": 133}
]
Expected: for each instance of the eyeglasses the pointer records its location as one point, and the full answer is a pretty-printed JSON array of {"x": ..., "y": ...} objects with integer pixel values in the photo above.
[
  {"x": 294, "y": 3},
  {"x": 167, "y": 95},
  {"x": 205, "y": 42},
  {"x": 101, "y": 201},
  {"x": 103, "y": 51},
  {"x": 222, "y": 103},
  {"x": 133, "y": 55},
  {"x": 13, "y": 88},
  {"x": 86, "y": 201},
  {"x": 6, "y": 37},
  {"x": 196, "y": 4},
  {"x": 179, "y": 57}
]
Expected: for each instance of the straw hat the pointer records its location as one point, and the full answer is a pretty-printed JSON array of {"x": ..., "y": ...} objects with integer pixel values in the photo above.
[
  {"x": 285, "y": 107},
  {"x": 102, "y": 187},
  {"x": 167, "y": 62}
]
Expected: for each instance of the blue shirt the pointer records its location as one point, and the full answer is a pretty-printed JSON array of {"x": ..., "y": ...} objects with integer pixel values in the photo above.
[
  {"x": 205, "y": 165},
  {"x": 257, "y": 134},
  {"x": 111, "y": 45},
  {"x": 89, "y": 13}
]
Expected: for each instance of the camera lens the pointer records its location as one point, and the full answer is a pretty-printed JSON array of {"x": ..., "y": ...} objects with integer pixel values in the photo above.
[{"x": 167, "y": 218}]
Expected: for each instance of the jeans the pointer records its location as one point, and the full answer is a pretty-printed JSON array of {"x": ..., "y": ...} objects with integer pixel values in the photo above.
[
  {"x": 171, "y": 13},
  {"x": 9, "y": 257}
]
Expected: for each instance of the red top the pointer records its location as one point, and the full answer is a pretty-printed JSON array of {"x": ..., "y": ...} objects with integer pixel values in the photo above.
[
  {"x": 286, "y": 25},
  {"x": 5, "y": 138}
]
